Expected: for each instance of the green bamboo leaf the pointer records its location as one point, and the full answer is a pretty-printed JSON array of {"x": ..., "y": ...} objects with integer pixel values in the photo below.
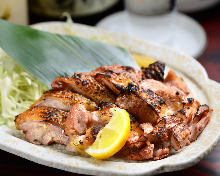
[{"x": 47, "y": 56}]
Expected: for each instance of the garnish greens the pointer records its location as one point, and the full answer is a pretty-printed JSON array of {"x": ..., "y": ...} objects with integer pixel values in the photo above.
[{"x": 18, "y": 90}]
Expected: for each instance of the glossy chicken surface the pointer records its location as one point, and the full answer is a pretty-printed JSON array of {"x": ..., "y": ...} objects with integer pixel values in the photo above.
[
  {"x": 42, "y": 113},
  {"x": 145, "y": 105},
  {"x": 162, "y": 112},
  {"x": 86, "y": 85},
  {"x": 64, "y": 100}
]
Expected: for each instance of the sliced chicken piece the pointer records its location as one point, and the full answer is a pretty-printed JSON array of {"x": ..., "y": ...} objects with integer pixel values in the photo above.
[
  {"x": 174, "y": 98},
  {"x": 173, "y": 80},
  {"x": 185, "y": 115},
  {"x": 185, "y": 126},
  {"x": 142, "y": 154},
  {"x": 145, "y": 105},
  {"x": 79, "y": 119},
  {"x": 82, "y": 126},
  {"x": 64, "y": 100},
  {"x": 180, "y": 136},
  {"x": 137, "y": 147},
  {"x": 147, "y": 128},
  {"x": 189, "y": 111},
  {"x": 161, "y": 150},
  {"x": 135, "y": 75},
  {"x": 40, "y": 113},
  {"x": 168, "y": 122},
  {"x": 154, "y": 71},
  {"x": 154, "y": 134},
  {"x": 166, "y": 133},
  {"x": 116, "y": 82},
  {"x": 85, "y": 85},
  {"x": 90, "y": 135},
  {"x": 117, "y": 77},
  {"x": 200, "y": 120},
  {"x": 81, "y": 142},
  {"x": 103, "y": 115},
  {"x": 43, "y": 125},
  {"x": 39, "y": 132},
  {"x": 161, "y": 153},
  {"x": 136, "y": 140}
]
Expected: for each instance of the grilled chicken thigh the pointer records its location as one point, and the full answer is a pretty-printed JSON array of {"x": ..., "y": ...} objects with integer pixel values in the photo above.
[
  {"x": 117, "y": 77},
  {"x": 145, "y": 105},
  {"x": 173, "y": 96},
  {"x": 79, "y": 119},
  {"x": 163, "y": 115},
  {"x": 116, "y": 82},
  {"x": 154, "y": 71},
  {"x": 64, "y": 100},
  {"x": 199, "y": 122},
  {"x": 40, "y": 113},
  {"x": 86, "y": 85},
  {"x": 82, "y": 126},
  {"x": 135, "y": 75},
  {"x": 39, "y": 132},
  {"x": 43, "y": 125},
  {"x": 137, "y": 146}
]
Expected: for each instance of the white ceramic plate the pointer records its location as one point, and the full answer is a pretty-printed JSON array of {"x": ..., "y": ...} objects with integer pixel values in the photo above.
[
  {"x": 204, "y": 89},
  {"x": 184, "y": 34}
]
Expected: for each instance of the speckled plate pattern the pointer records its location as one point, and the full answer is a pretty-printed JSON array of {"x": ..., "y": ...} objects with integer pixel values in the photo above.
[{"x": 204, "y": 89}]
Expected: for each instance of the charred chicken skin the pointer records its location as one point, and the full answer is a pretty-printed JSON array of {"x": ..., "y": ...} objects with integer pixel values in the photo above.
[
  {"x": 64, "y": 100},
  {"x": 86, "y": 85},
  {"x": 163, "y": 115}
]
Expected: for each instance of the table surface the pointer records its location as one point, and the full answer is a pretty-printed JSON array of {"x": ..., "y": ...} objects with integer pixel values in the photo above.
[{"x": 210, "y": 59}]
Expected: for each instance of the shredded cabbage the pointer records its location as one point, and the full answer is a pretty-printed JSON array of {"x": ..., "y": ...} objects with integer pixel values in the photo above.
[{"x": 18, "y": 90}]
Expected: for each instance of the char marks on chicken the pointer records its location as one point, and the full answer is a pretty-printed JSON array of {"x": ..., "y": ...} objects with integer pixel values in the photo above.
[
  {"x": 42, "y": 113},
  {"x": 64, "y": 100},
  {"x": 43, "y": 125},
  {"x": 173, "y": 97},
  {"x": 86, "y": 85},
  {"x": 117, "y": 78},
  {"x": 154, "y": 71},
  {"x": 163, "y": 116},
  {"x": 117, "y": 83},
  {"x": 145, "y": 105},
  {"x": 200, "y": 120},
  {"x": 136, "y": 75}
]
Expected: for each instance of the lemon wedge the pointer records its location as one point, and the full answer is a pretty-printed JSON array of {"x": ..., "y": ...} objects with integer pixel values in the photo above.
[
  {"x": 143, "y": 61},
  {"x": 112, "y": 137}
]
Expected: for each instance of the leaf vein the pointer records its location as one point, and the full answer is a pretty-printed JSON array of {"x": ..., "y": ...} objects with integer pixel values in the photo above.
[{"x": 73, "y": 51}]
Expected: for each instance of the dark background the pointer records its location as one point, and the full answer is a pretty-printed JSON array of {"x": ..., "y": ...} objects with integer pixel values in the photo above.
[{"x": 210, "y": 59}]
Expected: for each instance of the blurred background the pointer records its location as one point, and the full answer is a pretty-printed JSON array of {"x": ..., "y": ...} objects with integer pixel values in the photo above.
[{"x": 190, "y": 26}]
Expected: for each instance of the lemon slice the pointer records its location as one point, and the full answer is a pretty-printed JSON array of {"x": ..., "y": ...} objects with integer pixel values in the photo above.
[
  {"x": 143, "y": 61},
  {"x": 112, "y": 137}
]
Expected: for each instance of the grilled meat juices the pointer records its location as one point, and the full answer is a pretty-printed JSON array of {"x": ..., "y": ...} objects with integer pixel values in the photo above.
[{"x": 162, "y": 113}]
